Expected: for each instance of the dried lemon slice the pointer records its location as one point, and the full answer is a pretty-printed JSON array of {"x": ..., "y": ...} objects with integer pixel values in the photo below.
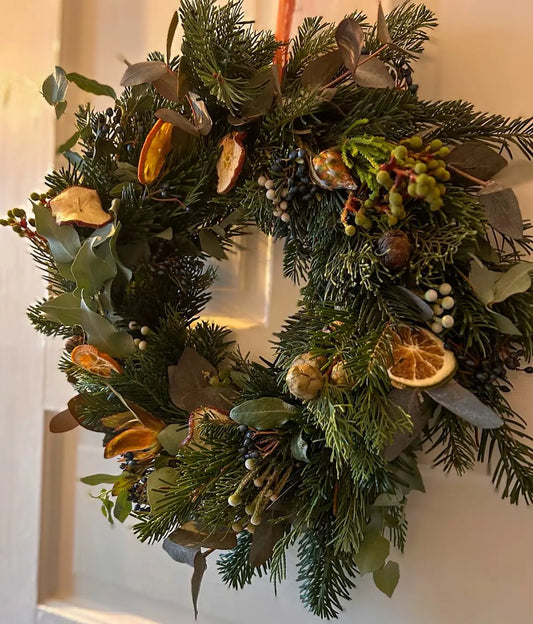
[
  {"x": 157, "y": 145},
  {"x": 95, "y": 361},
  {"x": 419, "y": 359}
]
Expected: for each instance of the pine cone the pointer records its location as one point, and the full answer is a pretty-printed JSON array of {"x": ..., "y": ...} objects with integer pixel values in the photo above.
[
  {"x": 304, "y": 381},
  {"x": 73, "y": 342},
  {"x": 394, "y": 250}
]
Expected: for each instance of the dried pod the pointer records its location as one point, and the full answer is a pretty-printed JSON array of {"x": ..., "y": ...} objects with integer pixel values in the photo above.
[
  {"x": 339, "y": 375},
  {"x": 330, "y": 172},
  {"x": 308, "y": 358},
  {"x": 394, "y": 250},
  {"x": 304, "y": 381}
]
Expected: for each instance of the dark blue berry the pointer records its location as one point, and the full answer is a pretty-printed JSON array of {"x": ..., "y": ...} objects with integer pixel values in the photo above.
[
  {"x": 301, "y": 153},
  {"x": 293, "y": 155},
  {"x": 109, "y": 112},
  {"x": 128, "y": 455},
  {"x": 528, "y": 369},
  {"x": 276, "y": 168},
  {"x": 242, "y": 450},
  {"x": 242, "y": 428}
]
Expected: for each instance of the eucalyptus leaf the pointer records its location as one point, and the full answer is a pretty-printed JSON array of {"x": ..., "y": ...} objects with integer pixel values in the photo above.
[
  {"x": 200, "y": 566},
  {"x": 190, "y": 387},
  {"x": 176, "y": 119},
  {"x": 90, "y": 271},
  {"x": 191, "y": 534},
  {"x": 419, "y": 409},
  {"x": 423, "y": 308},
  {"x": 202, "y": 119},
  {"x": 349, "y": 36},
  {"x": 167, "y": 86},
  {"x": 171, "y": 32},
  {"x": 502, "y": 210},
  {"x": 387, "y": 577},
  {"x": 266, "y": 535},
  {"x": 103, "y": 335},
  {"x": 63, "y": 240},
  {"x": 476, "y": 159},
  {"x": 320, "y": 70},
  {"x": 60, "y": 108},
  {"x": 299, "y": 447},
  {"x": 99, "y": 479},
  {"x": 62, "y": 422},
  {"x": 483, "y": 281},
  {"x": 381, "y": 28},
  {"x": 373, "y": 73},
  {"x": 504, "y": 324},
  {"x": 387, "y": 500},
  {"x": 373, "y": 552},
  {"x": 465, "y": 404},
  {"x": 91, "y": 86},
  {"x": 181, "y": 554},
  {"x": 73, "y": 158},
  {"x": 171, "y": 438},
  {"x": 264, "y": 414},
  {"x": 211, "y": 244},
  {"x": 158, "y": 484},
  {"x": 140, "y": 73},
  {"x": 516, "y": 280},
  {"x": 54, "y": 87},
  {"x": 265, "y": 80},
  {"x": 64, "y": 309},
  {"x": 122, "y": 507},
  {"x": 69, "y": 143}
]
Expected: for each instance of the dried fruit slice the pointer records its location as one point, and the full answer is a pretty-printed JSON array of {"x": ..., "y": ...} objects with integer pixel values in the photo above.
[
  {"x": 419, "y": 359},
  {"x": 95, "y": 361},
  {"x": 79, "y": 205},
  {"x": 156, "y": 147},
  {"x": 199, "y": 415},
  {"x": 231, "y": 161}
]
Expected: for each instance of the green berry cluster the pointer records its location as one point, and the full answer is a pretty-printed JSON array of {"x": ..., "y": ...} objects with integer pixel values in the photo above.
[
  {"x": 17, "y": 220},
  {"x": 414, "y": 171}
]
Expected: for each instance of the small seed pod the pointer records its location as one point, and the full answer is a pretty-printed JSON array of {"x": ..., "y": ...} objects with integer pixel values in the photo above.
[
  {"x": 307, "y": 358},
  {"x": 394, "y": 250},
  {"x": 339, "y": 376},
  {"x": 304, "y": 381}
]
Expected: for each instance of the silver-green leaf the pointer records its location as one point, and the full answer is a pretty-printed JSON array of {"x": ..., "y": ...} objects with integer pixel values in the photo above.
[
  {"x": 387, "y": 577},
  {"x": 265, "y": 413}
]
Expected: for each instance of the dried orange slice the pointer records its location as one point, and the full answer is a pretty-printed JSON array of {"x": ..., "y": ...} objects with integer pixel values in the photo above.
[
  {"x": 419, "y": 359},
  {"x": 231, "y": 161},
  {"x": 157, "y": 145},
  {"x": 95, "y": 361}
]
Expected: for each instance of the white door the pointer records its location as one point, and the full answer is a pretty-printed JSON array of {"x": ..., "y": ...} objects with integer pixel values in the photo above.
[{"x": 468, "y": 556}]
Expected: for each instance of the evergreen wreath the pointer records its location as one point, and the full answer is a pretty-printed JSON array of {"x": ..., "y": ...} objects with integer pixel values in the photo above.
[{"x": 416, "y": 300}]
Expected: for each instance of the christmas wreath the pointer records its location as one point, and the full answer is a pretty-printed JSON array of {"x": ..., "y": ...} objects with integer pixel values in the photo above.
[{"x": 416, "y": 301}]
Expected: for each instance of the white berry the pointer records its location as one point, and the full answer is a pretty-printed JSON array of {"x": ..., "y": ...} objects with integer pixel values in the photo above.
[
  {"x": 271, "y": 194},
  {"x": 447, "y": 303},
  {"x": 136, "y": 342},
  {"x": 445, "y": 289},
  {"x": 145, "y": 330},
  {"x": 447, "y": 321},
  {"x": 250, "y": 464},
  {"x": 142, "y": 345},
  {"x": 436, "y": 328},
  {"x": 431, "y": 295},
  {"x": 261, "y": 180},
  {"x": 133, "y": 325},
  {"x": 269, "y": 184},
  {"x": 285, "y": 217},
  {"x": 285, "y": 192},
  {"x": 277, "y": 212},
  {"x": 283, "y": 205},
  {"x": 437, "y": 309}
]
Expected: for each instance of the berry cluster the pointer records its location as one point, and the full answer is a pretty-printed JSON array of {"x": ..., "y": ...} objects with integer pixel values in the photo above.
[
  {"x": 17, "y": 220},
  {"x": 442, "y": 307},
  {"x": 414, "y": 171},
  {"x": 354, "y": 214},
  {"x": 145, "y": 331},
  {"x": 289, "y": 180}
]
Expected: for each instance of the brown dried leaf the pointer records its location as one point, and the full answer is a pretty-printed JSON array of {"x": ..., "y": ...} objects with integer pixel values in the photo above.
[
  {"x": 202, "y": 118},
  {"x": 349, "y": 36},
  {"x": 176, "y": 119},
  {"x": 373, "y": 73},
  {"x": 62, "y": 422},
  {"x": 476, "y": 159},
  {"x": 321, "y": 70},
  {"x": 266, "y": 536},
  {"x": 140, "y": 73},
  {"x": 191, "y": 535},
  {"x": 382, "y": 28},
  {"x": 502, "y": 209},
  {"x": 167, "y": 86}
]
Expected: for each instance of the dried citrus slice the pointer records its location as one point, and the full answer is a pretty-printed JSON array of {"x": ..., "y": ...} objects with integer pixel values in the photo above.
[
  {"x": 157, "y": 145},
  {"x": 230, "y": 161},
  {"x": 79, "y": 205},
  {"x": 95, "y": 361},
  {"x": 419, "y": 359}
]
